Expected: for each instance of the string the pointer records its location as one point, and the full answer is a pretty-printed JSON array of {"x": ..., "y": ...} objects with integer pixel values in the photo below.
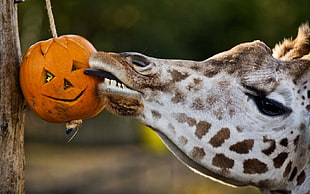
[
  {"x": 51, "y": 18},
  {"x": 73, "y": 125}
]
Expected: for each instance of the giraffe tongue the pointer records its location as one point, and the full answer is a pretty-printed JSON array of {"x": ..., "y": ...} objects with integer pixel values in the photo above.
[
  {"x": 116, "y": 88},
  {"x": 101, "y": 74}
]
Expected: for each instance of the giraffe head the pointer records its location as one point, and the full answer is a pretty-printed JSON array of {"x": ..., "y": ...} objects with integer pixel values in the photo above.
[{"x": 241, "y": 116}]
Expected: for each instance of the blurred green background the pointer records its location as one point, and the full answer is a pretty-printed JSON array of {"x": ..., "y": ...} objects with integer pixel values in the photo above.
[{"x": 114, "y": 154}]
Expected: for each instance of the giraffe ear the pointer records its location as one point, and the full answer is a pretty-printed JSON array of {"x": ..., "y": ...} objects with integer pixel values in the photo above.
[{"x": 295, "y": 49}]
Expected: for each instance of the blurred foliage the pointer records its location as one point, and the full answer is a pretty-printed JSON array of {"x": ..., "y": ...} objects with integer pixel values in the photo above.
[
  {"x": 151, "y": 141},
  {"x": 166, "y": 28},
  {"x": 65, "y": 169}
]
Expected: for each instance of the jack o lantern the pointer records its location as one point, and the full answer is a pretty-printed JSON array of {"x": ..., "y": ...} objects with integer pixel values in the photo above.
[{"x": 53, "y": 82}]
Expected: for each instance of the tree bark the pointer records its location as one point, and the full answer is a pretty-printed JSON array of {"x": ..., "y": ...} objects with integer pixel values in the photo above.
[{"x": 12, "y": 160}]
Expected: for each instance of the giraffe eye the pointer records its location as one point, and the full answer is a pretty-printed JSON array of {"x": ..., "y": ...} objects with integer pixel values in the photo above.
[{"x": 270, "y": 107}]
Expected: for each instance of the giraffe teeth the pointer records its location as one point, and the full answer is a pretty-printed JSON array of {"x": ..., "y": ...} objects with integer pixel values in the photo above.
[
  {"x": 114, "y": 87},
  {"x": 107, "y": 81},
  {"x": 114, "y": 83}
]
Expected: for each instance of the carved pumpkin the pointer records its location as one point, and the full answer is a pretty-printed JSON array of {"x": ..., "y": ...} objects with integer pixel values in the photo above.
[{"x": 53, "y": 82}]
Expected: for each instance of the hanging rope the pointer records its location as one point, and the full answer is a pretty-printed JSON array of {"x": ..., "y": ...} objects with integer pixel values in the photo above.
[
  {"x": 74, "y": 124},
  {"x": 51, "y": 18}
]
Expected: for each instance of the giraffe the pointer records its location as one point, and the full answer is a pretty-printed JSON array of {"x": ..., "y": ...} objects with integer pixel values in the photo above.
[{"x": 241, "y": 117}]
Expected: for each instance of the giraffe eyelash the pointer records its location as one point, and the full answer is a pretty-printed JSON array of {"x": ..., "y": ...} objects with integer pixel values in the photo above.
[
  {"x": 265, "y": 105},
  {"x": 269, "y": 106},
  {"x": 251, "y": 90}
]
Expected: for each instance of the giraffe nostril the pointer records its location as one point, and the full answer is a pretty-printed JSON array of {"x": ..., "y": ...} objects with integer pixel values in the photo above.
[
  {"x": 139, "y": 63},
  {"x": 136, "y": 58}
]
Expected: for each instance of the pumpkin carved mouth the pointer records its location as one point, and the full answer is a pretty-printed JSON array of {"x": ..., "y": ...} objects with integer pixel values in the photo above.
[{"x": 67, "y": 100}]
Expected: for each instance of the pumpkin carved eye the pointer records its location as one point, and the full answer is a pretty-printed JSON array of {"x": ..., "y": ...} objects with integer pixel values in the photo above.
[
  {"x": 67, "y": 84},
  {"x": 76, "y": 66},
  {"x": 48, "y": 76}
]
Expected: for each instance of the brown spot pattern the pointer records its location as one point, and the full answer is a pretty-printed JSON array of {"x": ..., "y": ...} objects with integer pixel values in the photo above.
[
  {"x": 178, "y": 76},
  {"x": 202, "y": 128},
  {"x": 302, "y": 127},
  {"x": 178, "y": 97},
  {"x": 243, "y": 147},
  {"x": 211, "y": 100},
  {"x": 171, "y": 128},
  {"x": 280, "y": 159},
  {"x": 296, "y": 142},
  {"x": 183, "y": 118},
  {"x": 254, "y": 166},
  {"x": 271, "y": 148},
  {"x": 218, "y": 114},
  {"x": 197, "y": 153},
  {"x": 301, "y": 178},
  {"x": 293, "y": 174},
  {"x": 284, "y": 142},
  {"x": 211, "y": 72},
  {"x": 156, "y": 115},
  {"x": 198, "y": 104},
  {"x": 266, "y": 183},
  {"x": 195, "y": 85},
  {"x": 197, "y": 80},
  {"x": 223, "y": 84},
  {"x": 231, "y": 112},
  {"x": 195, "y": 67},
  {"x": 239, "y": 129},
  {"x": 287, "y": 169},
  {"x": 221, "y": 161},
  {"x": 183, "y": 140},
  {"x": 219, "y": 138}
]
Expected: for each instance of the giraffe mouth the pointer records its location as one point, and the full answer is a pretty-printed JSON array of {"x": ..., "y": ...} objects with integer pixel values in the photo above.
[
  {"x": 111, "y": 85},
  {"x": 121, "y": 99}
]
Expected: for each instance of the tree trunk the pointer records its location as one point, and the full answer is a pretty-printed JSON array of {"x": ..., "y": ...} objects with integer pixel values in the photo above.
[{"x": 12, "y": 160}]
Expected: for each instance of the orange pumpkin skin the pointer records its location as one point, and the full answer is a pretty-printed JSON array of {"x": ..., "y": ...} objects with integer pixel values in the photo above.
[{"x": 53, "y": 82}]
